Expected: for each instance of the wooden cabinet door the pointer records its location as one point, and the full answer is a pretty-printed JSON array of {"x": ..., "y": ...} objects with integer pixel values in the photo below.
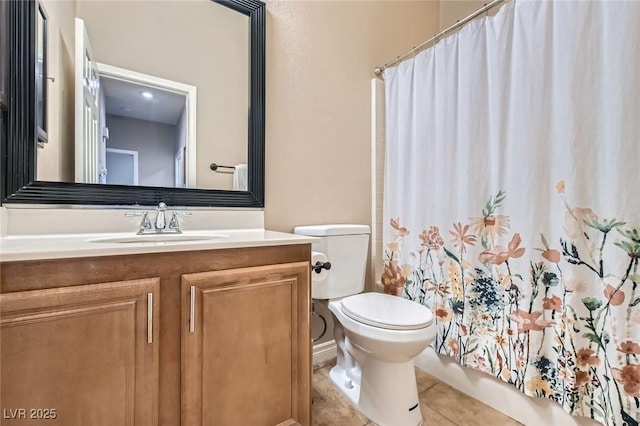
[
  {"x": 246, "y": 346},
  {"x": 83, "y": 355}
]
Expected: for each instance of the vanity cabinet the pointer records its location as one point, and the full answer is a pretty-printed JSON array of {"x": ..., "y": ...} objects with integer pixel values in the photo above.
[
  {"x": 241, "y": 332},
  {"x": 231, "y": 340},
  {"x": 81, "y": 355}
]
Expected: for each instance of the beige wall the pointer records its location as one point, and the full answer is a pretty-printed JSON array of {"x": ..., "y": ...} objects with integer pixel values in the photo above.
[
  {"x": 452, "y": 11},
  {"x": 55, "y": 160},
  {"x": 320, "y": 59}
]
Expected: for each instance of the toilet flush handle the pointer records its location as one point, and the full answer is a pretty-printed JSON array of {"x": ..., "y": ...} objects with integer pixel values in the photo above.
[{"x": 319, "y": 266}]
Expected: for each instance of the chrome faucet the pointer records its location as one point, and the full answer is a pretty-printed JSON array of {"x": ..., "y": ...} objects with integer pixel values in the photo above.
[{"x": 160, "y": 224}]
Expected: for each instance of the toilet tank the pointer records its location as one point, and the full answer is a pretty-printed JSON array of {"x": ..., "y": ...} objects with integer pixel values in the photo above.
[{"x": 346, "y": 247}]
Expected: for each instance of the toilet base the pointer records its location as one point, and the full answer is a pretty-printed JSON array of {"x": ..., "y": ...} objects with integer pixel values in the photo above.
[{"x": 390, "y": 396}]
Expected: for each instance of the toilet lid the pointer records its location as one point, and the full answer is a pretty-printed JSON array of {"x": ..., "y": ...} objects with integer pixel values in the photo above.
[{"x": 386, "y": 311}]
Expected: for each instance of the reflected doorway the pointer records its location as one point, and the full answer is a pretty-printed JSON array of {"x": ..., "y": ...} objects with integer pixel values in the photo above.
[
  {"x": 122, "y": 109},
  {"x": 155, "y": 117},
  {"x": 123, "y": 167}
]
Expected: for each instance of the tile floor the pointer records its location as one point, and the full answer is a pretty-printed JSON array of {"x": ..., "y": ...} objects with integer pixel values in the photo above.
[{"x": 441, "y": 405}]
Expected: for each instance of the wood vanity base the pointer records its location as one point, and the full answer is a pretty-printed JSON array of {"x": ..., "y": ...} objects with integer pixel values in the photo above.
[{"x": 245, "y": 360}]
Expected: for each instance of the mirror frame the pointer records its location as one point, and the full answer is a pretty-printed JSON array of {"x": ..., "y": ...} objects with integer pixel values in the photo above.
[{"x": 19, "y": 148}]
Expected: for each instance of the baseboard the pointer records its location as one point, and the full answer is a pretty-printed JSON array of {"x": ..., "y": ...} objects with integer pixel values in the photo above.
[
  {"x": 324, "y": 352},
  {"x": 497, "y": 394}
]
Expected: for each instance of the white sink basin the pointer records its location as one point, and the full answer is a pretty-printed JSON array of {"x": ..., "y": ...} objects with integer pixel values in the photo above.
[{"x": 159, "y": 238}]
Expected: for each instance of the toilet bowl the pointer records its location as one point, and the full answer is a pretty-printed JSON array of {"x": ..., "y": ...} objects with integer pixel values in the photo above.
[{"x": 377, "y": 335}]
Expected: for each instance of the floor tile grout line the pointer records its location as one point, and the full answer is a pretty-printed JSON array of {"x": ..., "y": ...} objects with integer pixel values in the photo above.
[
  {"x": 429, "y": 387},
  {"x": 431, "y": 408},
  {"x": 452, "y": 422}
]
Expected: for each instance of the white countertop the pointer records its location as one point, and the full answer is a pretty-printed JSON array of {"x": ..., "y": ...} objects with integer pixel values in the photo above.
[{"x": 40, "y": 247}]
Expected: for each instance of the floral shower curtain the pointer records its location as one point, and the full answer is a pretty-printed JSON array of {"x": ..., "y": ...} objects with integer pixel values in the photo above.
[{"x": 512, "y": 199}]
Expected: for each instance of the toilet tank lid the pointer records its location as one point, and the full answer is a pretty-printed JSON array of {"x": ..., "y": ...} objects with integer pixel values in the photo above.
[{"x": 336, "y": 229}]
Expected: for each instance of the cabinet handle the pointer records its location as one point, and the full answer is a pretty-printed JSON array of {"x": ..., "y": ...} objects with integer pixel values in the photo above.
[
  {"x": 149, "y": 317},
  {"x": 192, "y": 310}
]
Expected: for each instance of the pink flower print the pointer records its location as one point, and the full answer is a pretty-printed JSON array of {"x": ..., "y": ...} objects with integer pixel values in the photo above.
[
  {"x": 582, "y": 378},
  {"x": 500, "y": 254},
  {"x": 443, "y": 313},
  {"x": 480, "y": 363},
  {"x": 500, "y": 340},
  {"x": 401, "y": 230},
  {"x": 393, "y": 279},
  {"x": 553, "y": 303},
  {"x": 573, "y": 284},
  {"x": 629, "y": 376},
  {"x": 439, "y": 289},
  {"x": 530, "y": 321},
  {"x": 616, "y": 297},
  {"x": 454, "y": 346},
  {"x": 461, "y": 238},
  {"x": 431, "y": 238},
  {"x": 574, "y": 221},
  {"x": 585, "y": 357},
  {"x": 551, "y": 255},
  {"x": 629, "y": 347}
]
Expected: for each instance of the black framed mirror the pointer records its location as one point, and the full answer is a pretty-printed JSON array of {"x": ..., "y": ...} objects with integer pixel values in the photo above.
[{"x": 19, "y": 150}]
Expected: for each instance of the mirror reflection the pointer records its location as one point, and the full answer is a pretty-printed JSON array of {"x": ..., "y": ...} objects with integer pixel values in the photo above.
[
  {"x": 41, "y": 66},
  {"x": 146, "y": 93}
]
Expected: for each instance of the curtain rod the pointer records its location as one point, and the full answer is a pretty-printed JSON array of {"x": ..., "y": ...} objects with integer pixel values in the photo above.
[{"x": 379, "y": 70}]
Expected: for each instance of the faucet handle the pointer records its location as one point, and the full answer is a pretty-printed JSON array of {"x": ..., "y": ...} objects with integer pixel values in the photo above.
[
  {"x": 145, "y": 223},
  {"x": 129, "y": 214},
  {"x": 176, "y": 213},
  {"x": 175, "y": 223}
]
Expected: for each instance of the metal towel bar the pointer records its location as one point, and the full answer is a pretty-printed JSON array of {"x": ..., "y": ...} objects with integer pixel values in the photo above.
[{"x": 215, "y": 167}]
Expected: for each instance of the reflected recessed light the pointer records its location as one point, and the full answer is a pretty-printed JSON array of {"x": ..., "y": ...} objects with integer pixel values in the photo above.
[
  {"x": 126, "y": 109},
  {"x": 147, "y": 95}
]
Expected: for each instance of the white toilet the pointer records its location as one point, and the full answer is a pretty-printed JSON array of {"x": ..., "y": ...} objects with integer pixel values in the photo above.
[{"x": 377, "y": 335}]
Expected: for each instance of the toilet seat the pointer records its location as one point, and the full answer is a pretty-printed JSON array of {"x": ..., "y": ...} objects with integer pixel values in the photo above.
[{"x": 386, "y": 311}]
